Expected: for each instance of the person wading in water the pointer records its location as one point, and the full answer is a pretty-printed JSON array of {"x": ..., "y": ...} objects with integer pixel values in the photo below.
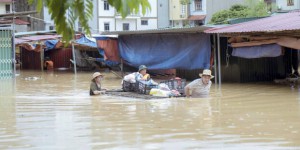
[{"x": 95, "y": 87}]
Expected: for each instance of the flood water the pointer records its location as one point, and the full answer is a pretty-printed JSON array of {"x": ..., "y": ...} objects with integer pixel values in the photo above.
[{"x": 54, "y": 111}]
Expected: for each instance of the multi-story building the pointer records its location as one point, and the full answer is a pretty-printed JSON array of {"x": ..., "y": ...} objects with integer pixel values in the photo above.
[
  {"x": 196, "y": 12},
  {"x": 5, "y": 6},
  {"x": 110, "y": 20},
  {"x": 287, "y": 5}
]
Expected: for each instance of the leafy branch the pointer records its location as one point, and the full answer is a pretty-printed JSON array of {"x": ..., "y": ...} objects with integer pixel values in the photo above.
[{"x": 64, "y": 13}]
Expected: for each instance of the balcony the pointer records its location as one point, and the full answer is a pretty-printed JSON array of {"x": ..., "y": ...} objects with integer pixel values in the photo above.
[{"x": 130, "y": 16}]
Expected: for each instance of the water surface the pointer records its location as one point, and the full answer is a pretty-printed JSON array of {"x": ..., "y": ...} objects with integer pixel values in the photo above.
[{"x": 54, "y": 111}]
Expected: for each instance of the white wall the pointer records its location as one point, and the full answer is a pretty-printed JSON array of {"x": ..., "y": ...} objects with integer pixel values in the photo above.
[
  {"x": 49, "y": 22},
  {"x": 47, "y": 19},
  {"x": 152, "y": 24},
  {"x": 111, "y": 22},
  {"x": 283, "y": 5},
  {"x": 153, "y": 12},
  {"x": 93, "y": 23},
  {"x": 163, "y": 17},
  {"x": 116, "y": 22},
  {"x": 2, "y": 8},
  {"x": 119, "y": 24},
  {"x": 194, "y": 12},
  {"x": 102, "y": 12},
  {"x": 21, "y": 28}
]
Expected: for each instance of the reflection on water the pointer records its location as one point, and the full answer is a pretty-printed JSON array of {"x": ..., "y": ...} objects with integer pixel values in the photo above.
[{"x": 54, "y": 111}]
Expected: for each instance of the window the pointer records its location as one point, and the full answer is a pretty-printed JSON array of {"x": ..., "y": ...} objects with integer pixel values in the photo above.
[
  {"x": 106, "y": 26},
  {"x": 51, "y": 27},
  {"x": 144, "y": 22},
  {"x": 106, "y": 5},
  {"x": 7, "y": 8},
  {"x": 125, "y": 26},
  {"x": 198, "y": 5},
  {"x": 183, "y": 9},
  {"x": 290, "y": 2}
]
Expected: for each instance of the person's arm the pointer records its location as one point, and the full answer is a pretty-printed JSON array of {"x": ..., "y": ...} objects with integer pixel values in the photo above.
[
  {"x": 98, "y": 92},
  {"x": 187, "y": 91},
  {"x": 187, "y": 88},
  {"x": 95, "y": 90}
]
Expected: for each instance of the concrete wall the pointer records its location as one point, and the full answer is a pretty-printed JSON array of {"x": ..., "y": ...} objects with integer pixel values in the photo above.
[
  {"x": 35, "y": 24},
  {"x": 94, "y": 22},
  {"x": 163, "y": 10},
  {"x": 116, "y": 22},
  {"x": 2, "y": 8},
  {"x": 283, "y": 5},
  {"x": 197, "y": 12},
  {"x": 132, "y": 24},
  {"x": 152, "y": 23},
  {"x": 111, "y": 21},
  {"x": 176, "y": 10},
  {"x": 105, "y": 13}
]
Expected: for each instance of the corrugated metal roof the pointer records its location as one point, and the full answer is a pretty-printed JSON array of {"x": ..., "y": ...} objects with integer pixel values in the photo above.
[
  {"x": 10, "y": 21},
  {"x": 5, "y": 1},
  {"x": 283, "y": 22},
  {"x": 163, "y": 30},
  {"x": 40, "y": 37}
]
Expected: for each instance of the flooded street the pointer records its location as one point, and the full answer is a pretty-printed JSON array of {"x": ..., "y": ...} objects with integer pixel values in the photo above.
[{"x": 54, "y": 111}]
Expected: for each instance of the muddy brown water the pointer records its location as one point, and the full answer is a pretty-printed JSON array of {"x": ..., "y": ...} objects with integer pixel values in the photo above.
[{"x": 54, "y": 111}]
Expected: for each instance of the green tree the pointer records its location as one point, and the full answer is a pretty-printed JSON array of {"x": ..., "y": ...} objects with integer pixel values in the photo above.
[
  {"x": 64, "y": 13},
  {"x": 253, "y": 8}
]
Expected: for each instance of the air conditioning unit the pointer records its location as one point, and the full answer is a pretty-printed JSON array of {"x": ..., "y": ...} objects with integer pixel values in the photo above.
[{"x": 182, "y": 16}]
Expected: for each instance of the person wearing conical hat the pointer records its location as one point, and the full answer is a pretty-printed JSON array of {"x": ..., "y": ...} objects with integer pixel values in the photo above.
[
  {"x": 95, "y": 87},
  {"x": 199, "y": 87}
]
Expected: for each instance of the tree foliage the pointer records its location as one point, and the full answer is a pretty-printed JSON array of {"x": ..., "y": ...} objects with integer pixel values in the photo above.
[
  {"x": 64, "y": 13},
  {"x": 253, "y": 8}
]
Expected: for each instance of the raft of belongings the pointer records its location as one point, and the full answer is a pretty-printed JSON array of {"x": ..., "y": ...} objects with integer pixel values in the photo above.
[{"x": 169, "y": 88}]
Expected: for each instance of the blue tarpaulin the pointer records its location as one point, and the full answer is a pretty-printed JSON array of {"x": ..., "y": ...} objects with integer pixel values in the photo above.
[
  {"x": 87, "y": 42},
  {"x": 269, "y": 50},
  {"x": 50, "y": 44},
  {"x": 166, "y": 51}
]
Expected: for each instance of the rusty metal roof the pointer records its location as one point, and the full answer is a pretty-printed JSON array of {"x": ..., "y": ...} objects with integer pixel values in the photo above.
[
  {"x": 197, "y": 17},
  {"x": 10, "y": 21},
  {"x": 284, "y": 22}
]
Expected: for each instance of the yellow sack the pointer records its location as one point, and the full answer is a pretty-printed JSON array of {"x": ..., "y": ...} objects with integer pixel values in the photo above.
[{"x": 146, "y": 77}]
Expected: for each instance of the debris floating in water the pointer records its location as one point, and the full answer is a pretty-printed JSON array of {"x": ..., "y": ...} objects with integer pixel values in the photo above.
[{"x": 32, "y": 78}]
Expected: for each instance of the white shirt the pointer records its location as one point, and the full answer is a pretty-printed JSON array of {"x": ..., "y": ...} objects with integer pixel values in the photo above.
[{"x": 198, "y": 88}]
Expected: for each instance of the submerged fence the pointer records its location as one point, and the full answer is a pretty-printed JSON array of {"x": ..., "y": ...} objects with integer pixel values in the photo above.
[{"x": 6, "y": 53}]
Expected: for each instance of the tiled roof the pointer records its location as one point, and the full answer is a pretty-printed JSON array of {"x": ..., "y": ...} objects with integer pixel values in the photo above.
[
  {"x": 284, "y": 22},
  {"x": 197, "y": 17}
]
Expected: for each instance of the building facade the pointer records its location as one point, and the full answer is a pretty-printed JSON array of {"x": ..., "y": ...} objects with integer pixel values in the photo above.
[
  {"x": 287, "y": 5},
  {"x": 5, "y": 6},
  {"x": 196, "y": 12},
  {"x": 110, "y": 20}
]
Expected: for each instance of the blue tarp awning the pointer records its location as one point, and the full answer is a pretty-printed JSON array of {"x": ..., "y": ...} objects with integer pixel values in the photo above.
[
  {"x": 269, "y": 50},
  {"x": 50, "y": 44},
  {"x": 83, "y": 40},
  {"x": 87, "y": 42},
  {"x": 166, "y": 51}
]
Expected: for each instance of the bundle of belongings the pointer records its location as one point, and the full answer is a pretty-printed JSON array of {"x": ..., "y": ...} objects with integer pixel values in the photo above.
[{"x": 146, "y": 85}]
